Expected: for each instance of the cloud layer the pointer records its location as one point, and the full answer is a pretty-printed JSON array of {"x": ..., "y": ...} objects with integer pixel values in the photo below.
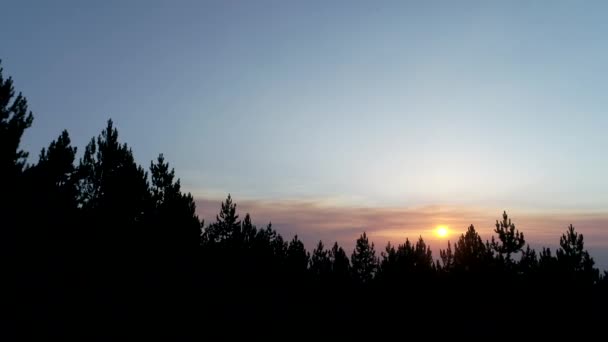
[{"x": 313, "y": 221}]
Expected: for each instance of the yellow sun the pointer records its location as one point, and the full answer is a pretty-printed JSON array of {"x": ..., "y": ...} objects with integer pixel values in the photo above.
[{"x": 441, "y": 231}]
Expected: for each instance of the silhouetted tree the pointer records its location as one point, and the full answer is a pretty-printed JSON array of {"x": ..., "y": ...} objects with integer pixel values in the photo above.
[
  {"x": 297, "y": 257},
  {"x": 363, "y": 260},
  {"x": 52, "y": 181},
  {"x": 269, "y": 249},
  {"x": 320, "y": 262},
  {"x": 114, "y": 201},
  {"x": 112, "y": 186},
  {"x": 546, "y": 260},
  {"x": 176, "y": 224},
  {"x": 248, "y": 231},
  {"x": 447, "y": 258},
  {"x": 423, "y": 257},
  {"x": 528, "y": 263},
  {"x": 470, "y": 253},
  {"x": 102, "y": 245},
  {"x": 279, "y": 247},
  {"x": 49, "y": 189},
  {"x": 14, "y": 120},
  {"x": 340, "y": 265},
  {"x": 262, "y": 243},
  {"x": 227, "y": 225},
  {"x": 407, "y": 261},
  {"x": 388, "y": 264},
  {"x": 573, "y": 259},
  {"x": 406, "y": 257},
  {"x": 510, "y": 240}
]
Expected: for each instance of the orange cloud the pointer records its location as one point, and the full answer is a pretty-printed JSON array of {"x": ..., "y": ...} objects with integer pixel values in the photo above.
[{"x": 313, "y": 221}]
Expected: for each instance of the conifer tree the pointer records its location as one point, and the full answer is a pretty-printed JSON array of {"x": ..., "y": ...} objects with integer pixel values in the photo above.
[
  {"x": 111, "y": 184},
  {"x": 227, "y": 225},
  {"x": 574, "y": 259},
  {"x": 447, "y": 258},
  {"x": 320, "y": 262},
  {"x": 297, "y": 257},
  {"x": 15, "y": 118},
  {"x": 470, "y": 253},
  {"x": 174, "y": 217},
  {"x": 510, "y": 240},
  {"x": 363, "y": 260},
  {"x": 340, "y": 265},
  {"x": 55, "y": 174},
  {"x": 528, "y": 262}
]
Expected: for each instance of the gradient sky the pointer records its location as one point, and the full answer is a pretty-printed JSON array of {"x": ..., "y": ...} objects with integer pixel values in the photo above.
[{"x": 352, "y": 104}]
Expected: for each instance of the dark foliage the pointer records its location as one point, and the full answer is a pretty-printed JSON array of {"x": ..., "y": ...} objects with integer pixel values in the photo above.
[{"x": 103, "y": 249}]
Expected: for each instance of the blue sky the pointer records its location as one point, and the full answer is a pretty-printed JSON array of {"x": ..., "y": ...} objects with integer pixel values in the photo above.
[{"x": 367, "y": 103}]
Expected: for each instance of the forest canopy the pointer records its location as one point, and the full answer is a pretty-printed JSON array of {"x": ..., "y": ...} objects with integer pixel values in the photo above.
[{"x": 101, "y": 244}]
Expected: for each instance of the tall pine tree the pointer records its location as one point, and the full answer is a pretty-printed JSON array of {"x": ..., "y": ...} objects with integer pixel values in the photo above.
[{"x": 364, "y": 261}]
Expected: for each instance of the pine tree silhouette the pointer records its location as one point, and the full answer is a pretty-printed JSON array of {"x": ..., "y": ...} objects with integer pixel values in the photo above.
[
  {"x": 574, "y": 260},
  {"x": 93, "y": 250},
  {"x": 340, "y": 265},
  {"x": 447, "y": 258},
  {"x": 320, "y": 262},
  {"x": 363, "y": 260},
  {"x": 297, "y": 257},
  {"x": 470, "y": 253},
  {"x": 510, "y": 240},
  {"x": 227, "y": 226},
  {"x": 14, "y": 120}
]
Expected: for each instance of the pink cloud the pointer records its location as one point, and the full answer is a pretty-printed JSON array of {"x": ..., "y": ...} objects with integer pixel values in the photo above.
[{"x": 313, "y": 221}]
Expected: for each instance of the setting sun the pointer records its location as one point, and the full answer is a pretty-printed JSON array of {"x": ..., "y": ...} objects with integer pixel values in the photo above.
[{"x": 441, "y": 231}]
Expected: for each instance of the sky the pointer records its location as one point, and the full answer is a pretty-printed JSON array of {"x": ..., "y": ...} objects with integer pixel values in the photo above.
[{"x": 323, "y": 109}]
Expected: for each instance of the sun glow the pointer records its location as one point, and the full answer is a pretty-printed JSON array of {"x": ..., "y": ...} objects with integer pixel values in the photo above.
[{"x": 441, "y": 231}]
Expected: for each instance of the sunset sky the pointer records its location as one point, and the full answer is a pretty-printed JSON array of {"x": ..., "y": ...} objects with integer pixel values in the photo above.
[{"x": 334, "y": 117}]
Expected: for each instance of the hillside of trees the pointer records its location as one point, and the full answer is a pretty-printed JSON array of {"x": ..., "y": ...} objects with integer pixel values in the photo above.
[{"x": 104, "y": 248}]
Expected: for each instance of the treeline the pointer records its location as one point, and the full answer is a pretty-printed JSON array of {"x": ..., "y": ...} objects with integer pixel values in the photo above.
[{"x": 101, "y": 246}]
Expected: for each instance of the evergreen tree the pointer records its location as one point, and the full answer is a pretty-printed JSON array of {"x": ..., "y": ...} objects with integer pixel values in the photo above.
[
  {"x": 388, "y": 264},
  {"x": 248, "y": 230},
  {"x": 112, "y": 186},
  {"x": 320, "y": 262},
  {"x": 510, "y": 240},
  {"x": 163, "y": 188},
  {"x": 51, "y": 238},
  {"x": 447, "y": 258},
  {"x": 115, "y": 203},
  {"x": 279, "y": 248},
  {"x": 407, "y": 261},
  {"x": 528, "y": 262},
  {"x": 363, "y": 260},
  {"x": 14, "y": 120},
  {"x": 423, "y": 257},
  {"x": 227, "y": 225},
  {"x": 176, "y": 224},
  {"x": 546, "y": 260},
  {"x": 297, "y": 257},
  {"x": 573, "y": 259},
  {"x": 470, "y": 253},
  {"x": 406, "y": 257},
  {"x": 52, "y": 185},
  {"x": 340, "y": 265},
  {"x": 54, "y": 176},
  {"x": 262, "y": 243}
]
